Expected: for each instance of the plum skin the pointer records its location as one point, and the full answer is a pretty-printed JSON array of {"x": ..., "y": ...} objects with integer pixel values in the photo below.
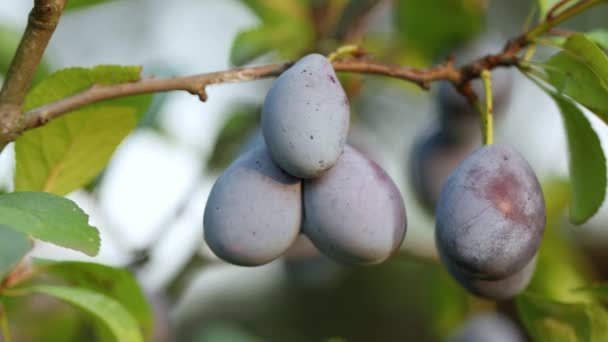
[
  {"x": 254, "y": 211},
  {"x": 305, "y": 118},
  {"x": 501, "y": 289},
  {"x": 491, "y": 214},
  {"x": 354, "y": 213},
  {"x": 486, "y": 327}
]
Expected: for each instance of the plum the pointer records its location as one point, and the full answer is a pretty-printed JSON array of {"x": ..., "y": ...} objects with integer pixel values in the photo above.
[
  {"x": 490, "y": 217},
  {"x": 354, "y": 213},
  {"x": 457, "y": 117},
  {"x": 488, "y": 327},
  {"x": 254, "y": 211},
  {"x": 305, "y": 118},
  {"x": 433, "y": 157}
]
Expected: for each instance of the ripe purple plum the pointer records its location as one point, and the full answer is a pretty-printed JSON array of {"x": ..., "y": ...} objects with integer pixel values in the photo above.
[
  {"x": 488, "y": 327},
  {"x": 490, "y": 217},
  {"x": 354, "y": 213},
  {"x": 254, "y": 211},
  {"x": 305, "y": 118},
  {"x": 433, "y": 158}
]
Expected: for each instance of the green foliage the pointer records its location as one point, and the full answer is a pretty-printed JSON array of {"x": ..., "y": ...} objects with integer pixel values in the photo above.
[
  {"x": 49, "y": 218},
  {"x": 560, "y": 265},
  {"x": 453, "y": 22},
  {"x": 580, "y": 71},
  {"x": 115, "y": 283},
  {"x": 600, "y": 37},
  {"x": 285, "y": 27},
  {"x": 587, "y": 163},
  {"x": 548, "y": 320},
  {"x": 70, "y": 151},
  {"x": 13, "y": 246},
  {"x": 9, "y": 39},
  {"x": 106, "y": 310}
]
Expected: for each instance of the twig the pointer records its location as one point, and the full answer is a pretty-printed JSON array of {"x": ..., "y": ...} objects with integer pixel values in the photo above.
[
  {"x": 41, "y": 24},
  {"x": 460, "y": 77}
]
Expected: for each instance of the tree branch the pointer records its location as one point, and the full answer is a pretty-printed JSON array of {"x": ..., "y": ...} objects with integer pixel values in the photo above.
[
  {"x": 460, "y": 77},
  {"x": 42, "y": 22}
]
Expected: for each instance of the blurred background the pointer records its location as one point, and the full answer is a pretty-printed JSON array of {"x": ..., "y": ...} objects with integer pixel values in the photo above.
[{"x": 149, "y": 202}]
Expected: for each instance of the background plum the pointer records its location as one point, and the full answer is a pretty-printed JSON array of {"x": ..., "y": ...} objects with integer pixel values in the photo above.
[
  {"x": 354, "y": 213},
  {"x": 488, "y": 327},
  {"x": 457, "y": 117},
  {"x": 491, "y": 214},
  {"x": 433, "y": 158},
  {"x": 305, "y": 118},
  {"x": 254, "y": 211}
]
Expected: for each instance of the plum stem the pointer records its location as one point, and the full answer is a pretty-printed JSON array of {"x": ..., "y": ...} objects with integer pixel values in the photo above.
[{"x": 487, "y": 124}]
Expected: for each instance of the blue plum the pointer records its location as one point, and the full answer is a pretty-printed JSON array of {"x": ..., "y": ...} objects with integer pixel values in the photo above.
[
  {"x": 490, "y": 217},
  {"x": 488, "y": 327},
  {"x": 305, "y": 118},
  {"x": 254, "y": 211},
  {"x": 434, "y": 156},
  {"x": 354, "y": 213}
]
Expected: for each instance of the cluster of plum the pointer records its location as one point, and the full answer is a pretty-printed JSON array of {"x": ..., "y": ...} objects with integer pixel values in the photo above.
[
  {"x": 488, "y": 205},
  {"x": 303, "y": 178}
]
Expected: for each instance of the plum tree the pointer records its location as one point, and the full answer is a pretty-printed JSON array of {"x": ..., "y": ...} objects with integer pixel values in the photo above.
[
  {"x": 433, "y": 157},
  {"x": 254, "y": 210},
  {"x": 491, "y": 214},
  {"x": 354, "y": 212},
  {"x": 305, "y": 118},
  {"x": 486, "y": 327},
  {"x": 500, "y": 289}
]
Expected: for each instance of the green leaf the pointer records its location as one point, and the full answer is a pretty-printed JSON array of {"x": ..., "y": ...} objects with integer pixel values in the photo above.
[
  {"x": 286, "y": 27},
  {"x": 78, "y": 4},
  {"x": 13, "y": 246},
  {"x": 600, "y": 291},
  {"x": 9, "y": 40},
  {"x": 115, "y": 283},
  {"x": 587, "y": 162},
  {"x": 552, "y": 321},
  {"x": 589, "y": 53},
  {"x": 49, "y": 218},
  {"x": 68, "y": 152},
  {"x": 105, "y": 309},
  {"x": 600, "y": 37},
  {"x": 452, "y": 22},
  {"x": 572, "y": 77}
]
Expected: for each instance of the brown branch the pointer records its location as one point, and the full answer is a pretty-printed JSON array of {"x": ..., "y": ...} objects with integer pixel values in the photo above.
[
  {"x": 196, "y": 84},
  {"x": 460, "y": 77},
  {"x": 42, "y": 22}
]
